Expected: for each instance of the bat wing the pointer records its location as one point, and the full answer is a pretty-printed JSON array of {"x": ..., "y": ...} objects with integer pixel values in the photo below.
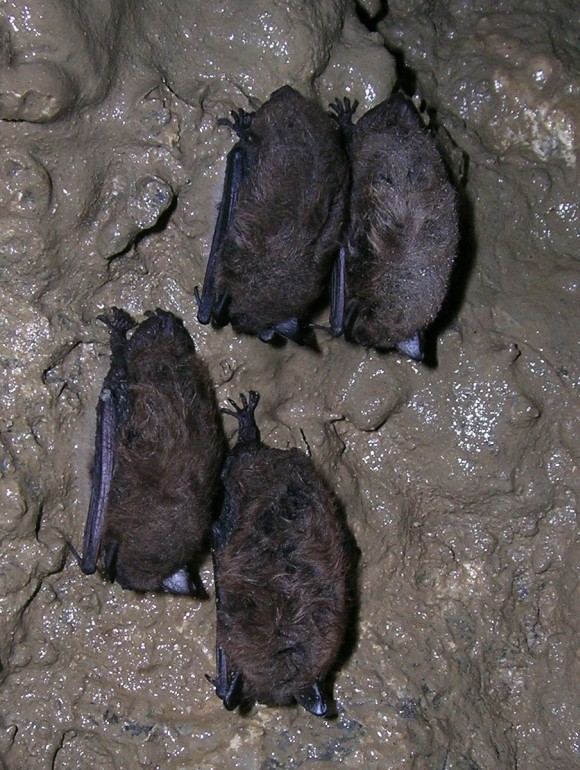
[
  {"x": 337, "y": 294},
  {"x": 101, "y": 484},
  {"x": 208, "y": 304},
  {"x": 112, "y": 411},
  {"x": 229, "y": 684}
]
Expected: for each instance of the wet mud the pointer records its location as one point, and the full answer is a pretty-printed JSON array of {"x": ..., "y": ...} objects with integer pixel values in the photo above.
[{"x": 460, "y": 481}]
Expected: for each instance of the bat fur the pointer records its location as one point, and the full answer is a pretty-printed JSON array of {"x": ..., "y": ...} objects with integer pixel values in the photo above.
[
  {"x": 280, "y": 221},
  {"x": 282, "y": 556},
  {"x": 402, "y": 236},
  {"x": 159, "y": 448}
]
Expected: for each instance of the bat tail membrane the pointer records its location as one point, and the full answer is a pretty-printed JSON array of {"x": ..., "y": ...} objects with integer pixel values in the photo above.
[
  {"x": 413, "y": 347},
  {"x": 313, "y": 700},
  {"x": 248, "y": 431},
  {"x": 235, "y": 170}
]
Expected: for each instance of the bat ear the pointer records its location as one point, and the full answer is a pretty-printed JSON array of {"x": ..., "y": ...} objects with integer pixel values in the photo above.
[
  {"x": 290, "y": 330},
  {"x": 413, "y": 347},
  {"x": 313, "y": 700},
  {"x": 182, "y": 584}
]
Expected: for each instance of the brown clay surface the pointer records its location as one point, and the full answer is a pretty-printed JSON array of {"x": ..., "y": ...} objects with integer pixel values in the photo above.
[{"x": 460, "y": 482}]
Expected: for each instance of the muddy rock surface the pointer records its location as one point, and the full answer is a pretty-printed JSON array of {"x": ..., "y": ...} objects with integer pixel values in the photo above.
[{"x": 460, "y": 481}]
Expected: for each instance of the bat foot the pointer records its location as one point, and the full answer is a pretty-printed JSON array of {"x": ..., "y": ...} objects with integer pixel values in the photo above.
[
  {"x": 166, "y": 321},
  {"x": 248, "y": 430},
  {"x": 342, "y": 111},
  {"x": 118, "y": 321},
  {"x": 241, "y": 123}
]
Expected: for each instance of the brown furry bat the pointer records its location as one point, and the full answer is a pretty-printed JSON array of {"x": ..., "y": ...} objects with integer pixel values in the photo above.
[
  {"x": 394, "y": 269},
  {"x": 280, "y": 219},
  {"x": 159, "y": 447},
  {"x": 282, "y": 555}
]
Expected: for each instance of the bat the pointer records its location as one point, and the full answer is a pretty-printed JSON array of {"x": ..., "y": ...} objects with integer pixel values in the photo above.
[
  {"x": 282, "y": 555},
  {"x": 280, "y": 219},
  {"x": 393, "y": 270},
  {"x": 159, "y": 448}
]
